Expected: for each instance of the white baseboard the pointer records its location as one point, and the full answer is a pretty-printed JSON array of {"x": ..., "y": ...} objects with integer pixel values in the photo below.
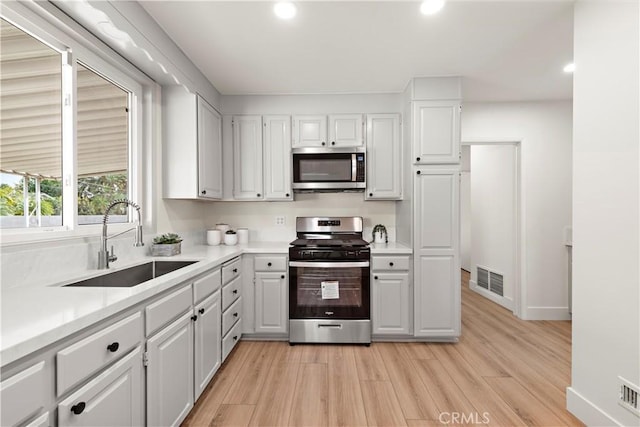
[
  {"x": 503, "y": 301},
  {"x": 586, "y": 411},
  {"x": 546, "y": 313}
]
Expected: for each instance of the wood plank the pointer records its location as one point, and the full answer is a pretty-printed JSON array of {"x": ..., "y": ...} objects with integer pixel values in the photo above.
[
  {"x": 310, "y": 396},
  {"x": 381, "y": 404},
  {"x": 233, "y": 416},
  {"x": 370, "y": 364},
  {"x": 247, "y": 387},
  {"x": 345, "y": 403},
  {"x": 416, "y": 350},
  {"x": 314, "y": 353}
]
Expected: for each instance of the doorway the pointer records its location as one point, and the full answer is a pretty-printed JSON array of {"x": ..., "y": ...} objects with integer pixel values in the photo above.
[{"x": 490, "y": 221}]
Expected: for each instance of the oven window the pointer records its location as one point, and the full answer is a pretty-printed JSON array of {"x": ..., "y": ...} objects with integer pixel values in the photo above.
[
  {"x": 318, "y": 287},
  {"x": 324, "y": 169}
]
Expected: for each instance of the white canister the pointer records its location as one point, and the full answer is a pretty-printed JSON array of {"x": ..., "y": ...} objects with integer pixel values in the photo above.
[
  {"x": 231, "y": 239},
  {"x": 214, "y": 237},
  {"x": 243, "y": 235},
  {"x": 223, "y": 227}
]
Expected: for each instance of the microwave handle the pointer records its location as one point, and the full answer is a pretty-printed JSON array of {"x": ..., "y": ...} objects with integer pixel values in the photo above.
[{"x": 354, "y": 168}]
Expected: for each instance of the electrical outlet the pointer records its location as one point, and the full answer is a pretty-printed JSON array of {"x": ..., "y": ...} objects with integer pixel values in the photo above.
[{"x": 280, "y": 220}]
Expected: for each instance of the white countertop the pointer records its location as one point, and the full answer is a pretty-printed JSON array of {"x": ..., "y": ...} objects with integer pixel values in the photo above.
[{"x": 34, "y": 317}]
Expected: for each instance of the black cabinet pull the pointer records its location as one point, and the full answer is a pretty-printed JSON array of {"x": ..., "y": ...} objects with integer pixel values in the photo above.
[
  {"x": 375, "y": 277},
  {"x": 417, "y": 159},
  {"x": 204, "y": 191},
  {"x": 201, "y": 311},
  {"x": 235, "y": 270},
  {"x": 287, "y": 195},
  {"x": 370, "y": 194},
  {"x": 418, "y": 172},
  {"x": 113, "y": 347},
  {"x": 194, "y": 317},
  {"x": 333, "y": 143},
  {"x": 258, "y": 194},
  {"x": 235, "y": 291},
  {"x": 268, "y": 264},
  {"x": 235, "y": 314},
  {"x": 323, "y": 143},
  {"x": 391, "y": 264},
  {"x": 78, "y": 408},
  {"x": 235, "y": 338},
  {"x": 282, "y": 277}
]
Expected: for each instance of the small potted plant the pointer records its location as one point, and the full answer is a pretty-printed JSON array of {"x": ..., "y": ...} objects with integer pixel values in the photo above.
[
  {"x": 230, "y": 237},
  {"x": 379, "y": 234},
  {"x": 168, "y": 244}
]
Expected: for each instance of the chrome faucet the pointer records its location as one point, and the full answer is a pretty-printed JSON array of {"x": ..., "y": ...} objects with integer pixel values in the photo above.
[{"x": 104, "y": 257}]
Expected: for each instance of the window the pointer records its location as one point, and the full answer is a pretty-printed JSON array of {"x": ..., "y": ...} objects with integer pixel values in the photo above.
[{"x": 68, "y": 134}]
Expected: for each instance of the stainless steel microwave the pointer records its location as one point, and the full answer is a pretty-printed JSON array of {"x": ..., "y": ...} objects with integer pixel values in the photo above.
[{"x": 328, "y": 169}]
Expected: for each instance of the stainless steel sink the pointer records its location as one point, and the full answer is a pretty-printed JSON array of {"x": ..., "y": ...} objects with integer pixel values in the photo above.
[{"x": 133, "y": 276}]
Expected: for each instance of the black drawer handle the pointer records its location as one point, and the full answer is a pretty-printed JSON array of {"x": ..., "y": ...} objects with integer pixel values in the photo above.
[
  {"x": 258, "y": 194},
  {"x": 268, "y": 264},
  {"x": 235, "y": 291},
  {"x": 113, "y": 347},
  {"x": 375, "y": 277},
  {"x": 282, "y": 277},
  {"x": 333, "y": 143},
  {"x": 323, "y": 143},
  {"x": 201, "y": 311},
  {"x": 287, "y": 195},
  {"x": 235, "y": 314},
  {"x": 78, "y": 408},
  {"x": 235, "y": 270},
  {"x": 417, "y": 159},
  {"x": 235, "y": 338},
  {"x": 390, "y": 264},
  {"x": 370, "y": 194},
  {"x": 418, "y": 172},
  {"x": 194, "y": 317}
]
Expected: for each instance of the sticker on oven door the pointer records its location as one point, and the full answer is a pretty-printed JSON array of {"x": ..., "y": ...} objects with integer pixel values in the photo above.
[{"x": 330, "y": 289}]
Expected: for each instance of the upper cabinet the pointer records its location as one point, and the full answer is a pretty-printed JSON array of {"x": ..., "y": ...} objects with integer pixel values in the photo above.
[
  {"x": 436, "y": 132},
  {"x": 247, "y": 158},
  {"x": 277, "y": 157},
  {"x": 192, "y": 149},
  {"x": 344, "y": 130},
  {"x": 384, "y": 157}
]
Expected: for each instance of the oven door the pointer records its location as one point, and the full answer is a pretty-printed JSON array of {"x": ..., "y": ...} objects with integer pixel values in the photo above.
[{"x": 329, "y": 290}]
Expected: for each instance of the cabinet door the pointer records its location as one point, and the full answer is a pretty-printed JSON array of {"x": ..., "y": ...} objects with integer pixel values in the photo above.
[
  {"x": 113, "y": 398},
  {"x": 209, "y": 151},
  {"x": 272, "y": 311},
  {"x": 436, "y": 132},
  {"x": 207, "y": 345},
  {"x": 345, "y": 130},
  {"x": 390, "y": 303},
  {"x": 25, "y": 394},
  {"x": 436, "y": 255},
  {"x": 309, "y": 131},
  {"x": 247, "y": 157},
  {"x": 384, "y": 157},
  {"x": 170, "y": 373},
  {"x": 277, "y": 157}
]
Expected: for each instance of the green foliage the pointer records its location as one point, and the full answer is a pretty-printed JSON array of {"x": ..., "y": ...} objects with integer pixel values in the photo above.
[
  {"x": 12, "y": 198},
  {"x": 95, "y": 193},
  {"x": 167, "y": 239}
]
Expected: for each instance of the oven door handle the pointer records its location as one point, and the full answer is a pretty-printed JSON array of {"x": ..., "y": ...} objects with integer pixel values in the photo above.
[{"x": 328, "y": 264}]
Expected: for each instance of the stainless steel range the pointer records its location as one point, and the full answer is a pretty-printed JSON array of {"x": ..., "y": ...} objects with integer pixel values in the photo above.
[{"x": 329, "y": 267}]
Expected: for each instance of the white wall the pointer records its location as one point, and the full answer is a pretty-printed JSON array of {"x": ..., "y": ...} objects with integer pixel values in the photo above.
[
  {"x": 544, "y": 129},
  {"x": 606, "y": 220},
  {"x": 493, "y": 216}
]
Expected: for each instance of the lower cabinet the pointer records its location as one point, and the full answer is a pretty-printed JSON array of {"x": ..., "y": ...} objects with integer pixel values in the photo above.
[
  {"x": 272, "y": 309},
  {"x": 390, "y": 295},
  {"x": 207, "y": 345},
  {"x": 113, "y": 398},
  {"x": 25, "y": 394},
  {"x": 170, "y": 373}
]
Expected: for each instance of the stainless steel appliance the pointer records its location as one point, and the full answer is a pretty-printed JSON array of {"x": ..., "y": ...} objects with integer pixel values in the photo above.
[
  {"x": 328, "y": 169},
  {"x": 329, "y": 269}
]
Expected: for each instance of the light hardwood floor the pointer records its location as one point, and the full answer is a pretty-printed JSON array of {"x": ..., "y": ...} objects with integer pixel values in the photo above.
[{"x": 503, "y": 372}]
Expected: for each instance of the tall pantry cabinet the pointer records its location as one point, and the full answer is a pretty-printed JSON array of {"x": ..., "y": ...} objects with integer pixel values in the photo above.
[{"x": 433, "y": 142}]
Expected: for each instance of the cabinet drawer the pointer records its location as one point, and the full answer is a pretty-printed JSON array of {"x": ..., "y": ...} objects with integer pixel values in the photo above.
[
  {"x": 231, "y": 292},
  {"x": 81, "y": 359},
  {"x": 270, "y": 263},
  {"x": 231, "y": 316},
  {"x": 230, "y": 270},
  {"x": 390, "y": 263},
  {"x": 113, "y": 398},
  {"x": 166, "y": 309},
  {"x": 24, "y": 394},
  {"x": 231, "y": 339},
  {"x": 206, "y": 285}
]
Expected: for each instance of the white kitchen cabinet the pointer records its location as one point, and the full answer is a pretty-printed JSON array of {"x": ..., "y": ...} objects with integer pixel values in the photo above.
[
  {"x": 271, "y": 297},
  {"x": 390, "y": 295},
  {"x": 170, "y": 373},
  {"x": 113, "y": 398},
  {"x": 277, "y": 157},
  {"x": 43, "y": 420},
  {"x": 309, "y": 131},
  {"x": 436, "y": 132},
  {"x": 207, "y": 342},
  {"x": 231, "y": 305},
  {"x": 247, "y": 158},
  {"x": 345, "y": 130},
  {"x": 24, "y": 395},
  {"x": 436, "y": 252},
  {"x": 384, "y": 157},
  {"x": 192, "y": 147}
]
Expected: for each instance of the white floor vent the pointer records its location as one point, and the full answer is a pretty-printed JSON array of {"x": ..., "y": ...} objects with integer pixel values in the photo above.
[
  {"x": 490, "y": 280},
  {"x": 629, "y": 396}
]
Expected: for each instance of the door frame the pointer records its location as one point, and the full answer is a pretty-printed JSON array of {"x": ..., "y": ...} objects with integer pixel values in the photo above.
[{"x": 520, "y": 285}]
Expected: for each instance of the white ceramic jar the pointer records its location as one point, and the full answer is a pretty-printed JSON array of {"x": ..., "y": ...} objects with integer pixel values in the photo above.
[
  {"x": 231, "y": 239},
  {"x": 214, "y": 237}
]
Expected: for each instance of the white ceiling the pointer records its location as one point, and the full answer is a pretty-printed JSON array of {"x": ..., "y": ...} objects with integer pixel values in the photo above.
[{"x": 505, "y": 50}]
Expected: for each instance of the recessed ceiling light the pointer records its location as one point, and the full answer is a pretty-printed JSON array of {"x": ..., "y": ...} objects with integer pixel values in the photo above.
[
  {"x": 285, "y": 10},
  {"x": 569, "y": 68},
  {"x": 430, "y": 7}
]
